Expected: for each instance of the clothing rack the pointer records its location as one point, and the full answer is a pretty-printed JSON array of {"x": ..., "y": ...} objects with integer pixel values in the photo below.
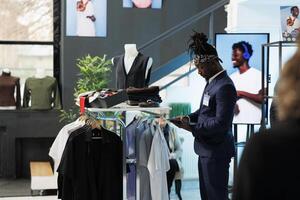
[{"x": 120, "y": 110}]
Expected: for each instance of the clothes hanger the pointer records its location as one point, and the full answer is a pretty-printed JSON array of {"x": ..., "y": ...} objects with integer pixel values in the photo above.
[
  {"x": 162, "y": 122},
  {"x": 95, "y": 126}
]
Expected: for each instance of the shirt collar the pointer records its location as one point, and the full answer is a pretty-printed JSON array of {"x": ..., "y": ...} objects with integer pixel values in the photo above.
[{"x": 214, "y": 76}]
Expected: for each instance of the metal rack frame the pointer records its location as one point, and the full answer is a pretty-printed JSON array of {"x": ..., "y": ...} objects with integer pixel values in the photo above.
[{"x": 99, "y": 114}]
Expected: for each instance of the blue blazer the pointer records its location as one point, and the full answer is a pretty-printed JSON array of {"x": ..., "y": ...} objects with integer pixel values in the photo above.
[{"x": 213, "y": 120}]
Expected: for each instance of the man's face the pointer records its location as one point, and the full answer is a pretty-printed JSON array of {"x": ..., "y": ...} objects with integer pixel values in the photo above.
[
  {"x": 237, "y": 57},
  {"x": 203, "y": 69},
  {"x": 295, "y": 12}
]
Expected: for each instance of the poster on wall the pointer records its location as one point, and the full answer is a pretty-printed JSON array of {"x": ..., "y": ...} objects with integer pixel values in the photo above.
[
  {"x": 235, "y": 50},
  {"x": 155, "y": 4},
  {"x": 290, "y": 24},
  {"x": 86, "y": 18}
]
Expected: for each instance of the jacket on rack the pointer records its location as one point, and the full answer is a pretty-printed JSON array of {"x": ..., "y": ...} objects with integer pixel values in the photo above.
[
  {"x": 146, "y": 142},
  {"x": 144, "y": 94},
  {"x": 91, "y": 169}
]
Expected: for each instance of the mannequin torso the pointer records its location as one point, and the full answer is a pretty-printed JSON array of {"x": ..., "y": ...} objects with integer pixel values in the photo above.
[
  {"x": 10, "y": 98},
  {"x": 133, "y": 69},
  {"x": 130, "y": 54}
]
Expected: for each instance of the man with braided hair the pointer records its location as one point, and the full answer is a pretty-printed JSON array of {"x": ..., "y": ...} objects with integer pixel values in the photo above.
[{"x": 211, "y": 123}]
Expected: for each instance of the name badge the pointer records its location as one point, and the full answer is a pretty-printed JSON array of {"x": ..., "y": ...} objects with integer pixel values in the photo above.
[{"x": 206, "y": 100}]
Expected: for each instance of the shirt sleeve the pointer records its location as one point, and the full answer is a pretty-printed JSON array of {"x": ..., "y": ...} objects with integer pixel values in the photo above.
[
  {"x": 194, "y": 116},
  {"x": 57, "y": 103},
  {"x": 18, "y": 95},
  {"x": 26, "y": 96}
]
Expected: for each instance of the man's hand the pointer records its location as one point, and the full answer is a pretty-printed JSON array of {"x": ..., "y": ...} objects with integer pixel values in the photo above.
[
  {"x": 182, "y": 122},
  {"x": 240, "y": 94}
]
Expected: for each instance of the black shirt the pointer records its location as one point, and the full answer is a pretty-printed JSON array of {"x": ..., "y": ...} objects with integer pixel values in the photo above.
[{"x": 92, "y": 169}]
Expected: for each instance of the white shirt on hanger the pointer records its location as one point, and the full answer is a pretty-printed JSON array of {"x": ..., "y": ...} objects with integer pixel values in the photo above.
[
  {"x": 58, "y": 146},
  {"x": 158, "y": 164}
]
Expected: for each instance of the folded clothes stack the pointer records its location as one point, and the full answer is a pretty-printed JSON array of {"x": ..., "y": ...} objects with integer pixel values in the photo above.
[
  {"x": 144, "y": 97},
  {"x": 103, "y": 98}
]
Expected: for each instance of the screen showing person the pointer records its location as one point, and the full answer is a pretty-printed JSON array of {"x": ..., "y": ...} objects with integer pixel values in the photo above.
[
  {"x": 242, "y": 56},
  {"x": 290, "y": 22},
  {"x": 247, "y": 81}
]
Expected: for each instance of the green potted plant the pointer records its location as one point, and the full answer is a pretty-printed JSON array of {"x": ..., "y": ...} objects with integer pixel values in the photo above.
[{"x": 93, "y": 74}]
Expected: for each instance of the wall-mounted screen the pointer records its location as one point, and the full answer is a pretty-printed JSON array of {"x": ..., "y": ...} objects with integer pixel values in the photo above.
[{"x": 242, "y": 58}]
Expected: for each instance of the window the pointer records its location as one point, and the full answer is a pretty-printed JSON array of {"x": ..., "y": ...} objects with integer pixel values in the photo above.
[
  {"x": 27, "y": 37},
  {"x": 26, "y": 20}
]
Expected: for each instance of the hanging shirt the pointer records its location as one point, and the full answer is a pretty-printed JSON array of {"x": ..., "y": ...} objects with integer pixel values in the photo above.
[
  {"x": 144, "y": 139},
  {"x": 58, "y": 146},
  {"x": 158, "y": 164},
  {"x": 92, "y": 169},
  {"x": 131, "y": 138},
  {"x": 133, "y": 132},
  {"x": 42, "y": 92},
  {"x": 136, "y": 75}
]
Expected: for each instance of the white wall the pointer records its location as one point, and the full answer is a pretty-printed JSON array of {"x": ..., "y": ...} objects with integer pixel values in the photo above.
[{"x": 260, "y": 16}]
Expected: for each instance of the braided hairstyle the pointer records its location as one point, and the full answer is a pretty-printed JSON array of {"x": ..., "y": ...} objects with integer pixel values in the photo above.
[{"x": 199, "y": 48}]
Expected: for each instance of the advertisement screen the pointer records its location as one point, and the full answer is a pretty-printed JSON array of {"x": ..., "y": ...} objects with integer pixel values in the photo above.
[
  {"x": 290, "y": 24},
  {"x": 86, "y": 18},
  {"x": 234, "y": 50}
]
